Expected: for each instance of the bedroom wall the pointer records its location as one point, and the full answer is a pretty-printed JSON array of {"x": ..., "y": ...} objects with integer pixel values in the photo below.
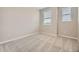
[
  {"x": 70, "y": 28},
  {"x": 78, "y": 22},
  {"x": 17, "y": 21}
]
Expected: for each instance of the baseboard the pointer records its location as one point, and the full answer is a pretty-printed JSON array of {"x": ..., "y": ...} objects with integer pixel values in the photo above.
[
  {"x": 50, "y": 34},
  {"x": 78, "y": 39},
  {"x": 18, "y": 38},
  {"x": 69, "y": 37}
]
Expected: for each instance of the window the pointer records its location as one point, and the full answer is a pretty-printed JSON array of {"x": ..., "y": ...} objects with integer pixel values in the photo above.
[
  {"x": 47, "y": 16},
  {"x": 66, "y": 14}
]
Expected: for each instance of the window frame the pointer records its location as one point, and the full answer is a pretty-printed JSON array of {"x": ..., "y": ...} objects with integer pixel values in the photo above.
[
  {"x": 43, "y": 19},
  {"x": 66, "y": 15}
]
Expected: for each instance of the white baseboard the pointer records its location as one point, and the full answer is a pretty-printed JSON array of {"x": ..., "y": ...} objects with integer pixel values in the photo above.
[
  {"x": 18, "y": 38},
  {"x": 27, "y": 35},
  {"x": 69, "y": 37},
  {"x": 78, "y": 39},
  {"x": 50, "y": 34}
]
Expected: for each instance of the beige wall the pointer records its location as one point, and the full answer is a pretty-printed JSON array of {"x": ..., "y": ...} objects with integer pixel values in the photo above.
[
  {"x": 50, "y": 29},
  {"x": 1, "y": 24},
  {"x": 16, "y": 22},
  {"x": 78, "y": 22},
  {"x": 68, "y": 28}
]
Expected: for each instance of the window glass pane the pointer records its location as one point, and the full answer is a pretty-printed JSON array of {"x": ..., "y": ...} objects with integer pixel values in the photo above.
[
  {"x": 67, "y": 18},
  {"x": 47, "y": 21},
  {"x": 66, "y": 10},
  {"x": 47, "y": 13}
]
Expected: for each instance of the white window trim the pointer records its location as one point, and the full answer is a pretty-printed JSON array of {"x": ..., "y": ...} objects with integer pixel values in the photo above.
[{"x": 63, "y": 15}]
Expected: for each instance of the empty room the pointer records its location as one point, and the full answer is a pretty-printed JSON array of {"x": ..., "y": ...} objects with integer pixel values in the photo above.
[{"x": 39, "y": 29}]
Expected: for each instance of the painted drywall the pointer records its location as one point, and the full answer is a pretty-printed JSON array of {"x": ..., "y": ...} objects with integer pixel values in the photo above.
[
  {"x": 49, "y": 29},
  {"x": 78, "y": 22},
  {"x": 68, "y": 28},
  {"x": 1, "y": 25},
  {"x": 15, "y": 22}
]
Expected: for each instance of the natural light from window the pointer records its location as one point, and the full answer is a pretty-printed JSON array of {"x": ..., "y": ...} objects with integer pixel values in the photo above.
[
  {"x": 47, "y": 16},
  {"x": 66, "y": 14}
]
